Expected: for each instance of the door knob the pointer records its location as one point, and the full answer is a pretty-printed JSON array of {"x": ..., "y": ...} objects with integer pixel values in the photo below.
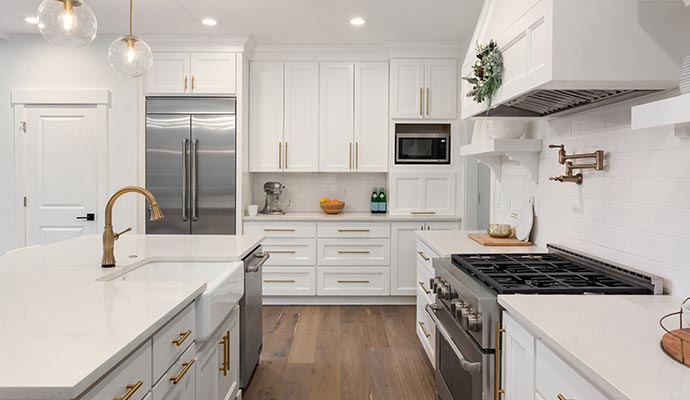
[{"x": 88, "y": 217}]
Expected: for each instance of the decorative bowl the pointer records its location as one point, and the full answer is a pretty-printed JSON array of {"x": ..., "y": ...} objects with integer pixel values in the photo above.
[
  {"x": 500, "y": 231},
  {"x": 505, "y": 128},
  {"x": 333, "y": 207}
]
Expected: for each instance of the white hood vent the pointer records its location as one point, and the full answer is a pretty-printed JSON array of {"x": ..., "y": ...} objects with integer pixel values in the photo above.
[{"x": 565, "y": 56}]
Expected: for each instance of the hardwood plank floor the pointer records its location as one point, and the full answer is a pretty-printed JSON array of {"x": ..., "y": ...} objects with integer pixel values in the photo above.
[{"x": 341, "y": 353}]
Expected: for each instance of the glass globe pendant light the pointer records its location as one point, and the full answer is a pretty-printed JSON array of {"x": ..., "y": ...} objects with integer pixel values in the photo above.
[
  {"x": 128, "y": 54},
  {"x": 67, "y": 23}
]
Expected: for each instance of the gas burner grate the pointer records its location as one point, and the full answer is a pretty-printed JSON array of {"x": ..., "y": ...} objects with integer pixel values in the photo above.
[{"x": 542, "y": 274}]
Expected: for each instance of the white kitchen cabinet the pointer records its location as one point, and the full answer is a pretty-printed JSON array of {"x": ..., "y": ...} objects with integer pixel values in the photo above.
[
  {"x": 172, "y": 340},
  {"x": 403, "y": 258},
  {"x": 192, "y": 73},
  {"x": 555, "y": 379},
  {"x": 349, "y": 252},
  {"x": 283, "y": 117},
  {"x": 353, "y": 281},
  {"x": 423, "y": 89},
  {"x": 371, "y": 117},
  {"x": 426, "y": 330},
  {"x": 518, "y": 361},
  {"x": 336, "y": 117},
  {"x": 217, "y": 370},
  {"x": 289, "y": 281},
  {"x": 290, "y": 251},
  {"x": 422, "y": 193},
  {"x": 179, "y": 382},
  {"x": 133, "y": 376}
]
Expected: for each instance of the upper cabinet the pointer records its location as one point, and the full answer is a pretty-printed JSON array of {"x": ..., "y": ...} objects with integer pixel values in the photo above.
[
  {"x": 419, "y": 193},
  {"x": 301, "y": 120},
  {"x": 423, "y": 89},
  {"x": 371, "y": 117},
  {"x": 266, "y": 88},
  {"x": 336, "y": 126},
  {"x": 192, "y": 73}
]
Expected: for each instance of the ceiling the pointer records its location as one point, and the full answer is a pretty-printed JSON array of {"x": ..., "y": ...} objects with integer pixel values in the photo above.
[{"x": 277, "y": 21}]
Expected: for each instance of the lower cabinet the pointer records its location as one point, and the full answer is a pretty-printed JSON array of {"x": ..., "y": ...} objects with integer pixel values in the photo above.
[
  {"x": 353, "y": 281},
  {"x": 289, "y": 281},
  {"x": 426, "y": 330},
  {"x": 518, "y": 361},
  {"x": 218, "y": 362},
  {"x": 132, "y": 378},
  {"x": 179, "y": 382}
]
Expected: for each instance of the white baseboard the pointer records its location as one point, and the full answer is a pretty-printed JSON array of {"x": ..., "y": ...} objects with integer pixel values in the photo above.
[{"x": 339, "y": 300}]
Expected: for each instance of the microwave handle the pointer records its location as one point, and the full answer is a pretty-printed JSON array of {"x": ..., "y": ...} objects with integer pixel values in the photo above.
[{"x": 473, "y": 368}]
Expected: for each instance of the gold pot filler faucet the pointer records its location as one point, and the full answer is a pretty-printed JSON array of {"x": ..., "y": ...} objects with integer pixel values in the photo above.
[
  {"x": 109, "y": 237},
  {"x": 564, "y": 158}
]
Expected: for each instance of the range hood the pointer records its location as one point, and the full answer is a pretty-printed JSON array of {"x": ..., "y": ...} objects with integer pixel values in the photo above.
[{"x": 565, "y": 56}]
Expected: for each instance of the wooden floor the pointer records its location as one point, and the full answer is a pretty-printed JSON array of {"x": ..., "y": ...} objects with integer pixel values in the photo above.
[{"x": 341, "y": 352}]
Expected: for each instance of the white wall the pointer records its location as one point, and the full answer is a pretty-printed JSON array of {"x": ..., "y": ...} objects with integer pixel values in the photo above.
[
  {"x": 636, "y": 213},
  {"x": 30, "y": 62}
]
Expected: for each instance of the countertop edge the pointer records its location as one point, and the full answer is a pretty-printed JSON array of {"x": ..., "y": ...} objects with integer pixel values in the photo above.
[
  {"x": 351, "y": 218},
  {"x": 430, "y": 244},
  {"x": 579, "y": 365}
]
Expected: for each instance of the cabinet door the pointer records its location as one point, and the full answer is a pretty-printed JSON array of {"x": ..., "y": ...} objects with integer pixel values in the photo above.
[
  {"x": 404, "y": 258},
  {"x": 441, "y": 89},
  {"x": 301, "y": 139},
  {"x": 407, "y": 88},
  {"x": 170, "y": 74},
  {"x": 214, "y": 73},
  {"x": 229, "y": 382},
  {"x": 371, "y": 117},
  {"x": 518, "y": 361},
  {"x": 406, "y": 195},
  {"x": 422, "y": 193},
  {"x": 438, "y": 192},
  {"x": 336, "y": 126},
  {"x": 266, "y": 116},
  {"x": 208, "y": 363}
]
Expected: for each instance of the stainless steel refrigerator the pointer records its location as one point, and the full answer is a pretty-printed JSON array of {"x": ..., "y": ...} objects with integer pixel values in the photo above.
[{"x": 191, "y": 163}]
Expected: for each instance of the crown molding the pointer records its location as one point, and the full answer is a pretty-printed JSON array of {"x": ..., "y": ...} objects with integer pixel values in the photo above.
[
  {"x": 233, "y": 43},
  {"x": 353, "y": 52}
]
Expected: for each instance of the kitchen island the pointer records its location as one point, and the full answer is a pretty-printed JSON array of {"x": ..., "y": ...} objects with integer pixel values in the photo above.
[{"x": 69, "y": 324}]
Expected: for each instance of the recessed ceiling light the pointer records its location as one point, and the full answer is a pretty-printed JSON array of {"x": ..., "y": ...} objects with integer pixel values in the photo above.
[
  {"x": 209, "y": 22},
  {"x": 357, "y": 21},
  {"x": 31, "y": 20}
]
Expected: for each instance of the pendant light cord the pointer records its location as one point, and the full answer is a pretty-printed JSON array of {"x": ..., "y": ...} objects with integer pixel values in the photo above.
[{"x": 130, "y": 17}]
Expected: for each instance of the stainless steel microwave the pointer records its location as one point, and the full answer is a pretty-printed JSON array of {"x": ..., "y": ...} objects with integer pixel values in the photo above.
[{"x": 422, "y": 148}]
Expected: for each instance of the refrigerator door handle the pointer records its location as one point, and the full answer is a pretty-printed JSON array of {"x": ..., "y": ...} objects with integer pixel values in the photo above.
[
  {"x": 185, "y": 147},
  {"x": 195, "y": 217}
]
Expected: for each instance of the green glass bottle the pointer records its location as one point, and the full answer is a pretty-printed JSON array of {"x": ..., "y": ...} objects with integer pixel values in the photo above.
[
  {"x": 383, "y": 202},
  {"x": 374, "y": 201}
]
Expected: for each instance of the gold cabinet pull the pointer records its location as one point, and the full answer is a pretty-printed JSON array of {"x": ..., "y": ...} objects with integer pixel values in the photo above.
[
  {"x": 280, "y": 155},
  {"x": 280, "y": 251},
  {"x": 226, "y": 358},
  {"x": 354, "y": 230},
  {"x": 421, "y": 253},
  {"x": 130, "y": 391},
  {"x": 193, "y": 79},
  {"x": 350, "y": 159},
  {"x": 561, "y": 397},
  {"x": 185, "y": 83},
  {"x": 421, "y": 284},
  {"x": 421, "y": 101},
  {"x": 421, "y": 325},
  {"x": 423, "y": 212},
  {"x": 286, "y": 155},
  {"x": 427, "y": 102},
  {"x": 353, "y": 251},
  {"x": 186, "y": 366},
  {"x": 353, "y": 281},
  {"x": 357, "y": 155},
  {"x": 497, "y": 362},
  {"x": 280, "y": 281},
  {"x": 279, "y": 229},
  {"x": 183, "y": 336}
]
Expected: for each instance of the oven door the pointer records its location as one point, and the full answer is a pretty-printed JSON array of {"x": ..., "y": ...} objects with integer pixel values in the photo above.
[
  {"x": 422, "y": 148},
  {"x": 463, "y": 370}
]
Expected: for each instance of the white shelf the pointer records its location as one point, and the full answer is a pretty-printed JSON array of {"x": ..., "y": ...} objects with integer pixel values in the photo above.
[
  {"x": 492, "y": 153},
  {"x": 674, "y": 111}
]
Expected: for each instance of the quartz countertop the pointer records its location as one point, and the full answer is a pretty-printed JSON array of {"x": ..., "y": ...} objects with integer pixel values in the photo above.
[
  {"x": 447, "y": 243},
  {"x": 349, "y": 216},
  {"x": 611, "y": 340},
  {"x": 64, "y": 326}
]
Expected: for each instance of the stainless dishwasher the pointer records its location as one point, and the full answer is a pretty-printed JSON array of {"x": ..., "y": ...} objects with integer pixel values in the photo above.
[{"x": 251, "y": 339}]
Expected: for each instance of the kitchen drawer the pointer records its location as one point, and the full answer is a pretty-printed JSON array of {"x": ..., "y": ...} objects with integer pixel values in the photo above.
[
  {"x": 281, "y": 229},
  {"x": 133, "y": 375},
  {"x": 354, "y": 251},
  {"x": 426, "y": 330},
  {"x": 345, "y": 230},
  {"x": 289, "y": 281},
  {"x": 353, "y": 281},
  {"x": 290, "y": 251},
  {"x": 178, "y": 381},
  {"x": 425, "y": 255},
  {"x": 554, "y": 377},
  {"x": 423, "y": 284},
  {"x": 172, "y": 340}
]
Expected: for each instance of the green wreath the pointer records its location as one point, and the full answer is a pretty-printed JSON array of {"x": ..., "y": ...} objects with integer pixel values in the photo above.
[{"x": 488, "y": 74}]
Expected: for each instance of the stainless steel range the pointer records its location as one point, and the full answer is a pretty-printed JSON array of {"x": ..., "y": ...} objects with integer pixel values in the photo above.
[{"x": 468, "y": 317}]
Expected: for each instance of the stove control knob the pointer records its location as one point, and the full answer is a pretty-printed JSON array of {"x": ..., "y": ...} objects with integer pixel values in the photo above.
[
  {"x": 474, "y": 322},
  {"x": 463, "y": 316},
  {"x": 436, "y": 283},
  {"x": 456, "y": 305},
  {"x": 444, "y": 293}
]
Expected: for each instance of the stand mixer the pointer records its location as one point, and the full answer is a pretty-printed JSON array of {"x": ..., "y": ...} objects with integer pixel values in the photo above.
[{"x": 275, "y": 202}]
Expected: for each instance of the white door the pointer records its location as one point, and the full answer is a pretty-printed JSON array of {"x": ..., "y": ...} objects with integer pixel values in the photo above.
[
  {"x": 301, "y": 139},
  {"x": 209, "y": 364},
  {"x": 438, "y": 190},
  {"x": 518, "y": 361},
  {"x": 336, "y": 125},
  {"x": 441, "y": 89},
  {"x": 406, "y": 195},
  {"x": 61, "y": 171},
  {"x": 404, "y": 258},
  {"x": 170, "y": 74},
  {"x": 407, "y": 88},
  {"x": 371, "y": 117},
  {"x": 214, "y": 73},
  {"x": 266, "y": 116}
]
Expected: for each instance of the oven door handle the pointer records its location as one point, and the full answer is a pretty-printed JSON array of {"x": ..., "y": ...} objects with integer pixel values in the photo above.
[{"x": 473, "y": 368}]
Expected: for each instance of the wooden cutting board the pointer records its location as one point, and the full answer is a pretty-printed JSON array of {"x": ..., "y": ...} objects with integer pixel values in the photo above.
[
  {"x": 485, "y": 240},
  {"x": 671, "y": 345}
]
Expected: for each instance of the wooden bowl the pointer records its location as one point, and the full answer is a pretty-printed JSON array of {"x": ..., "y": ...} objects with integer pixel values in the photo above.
[{"x": 333, "y": 208}]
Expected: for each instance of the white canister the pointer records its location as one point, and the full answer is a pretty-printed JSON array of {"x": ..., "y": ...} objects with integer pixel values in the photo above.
[{"x": 253, "y": 210}]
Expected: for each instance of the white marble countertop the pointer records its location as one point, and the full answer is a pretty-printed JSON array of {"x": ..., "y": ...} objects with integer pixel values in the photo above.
[
  {"x": 63, "y": 328},
  {"x": 611, "y": 340},
  {"x": 349, "y": 216},
  {"x": 447, "y": 243}
]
